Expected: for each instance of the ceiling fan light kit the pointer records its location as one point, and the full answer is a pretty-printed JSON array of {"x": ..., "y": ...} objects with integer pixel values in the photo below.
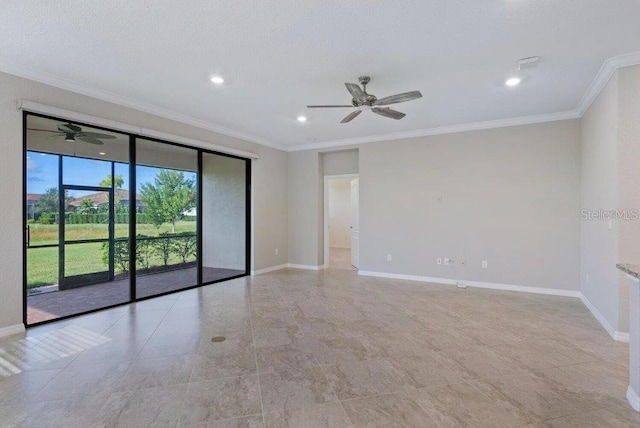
[{"x": 364, "y": 101}]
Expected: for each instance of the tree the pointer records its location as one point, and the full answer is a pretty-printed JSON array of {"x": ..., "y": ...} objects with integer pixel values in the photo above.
[
  {"x": 168, "y": 197},
  {"x": 107, "y": 181},
  {"x": 86, "y": 207},
  {"x": 119, "y": 182},
  {"x": 49, "y": 203}
]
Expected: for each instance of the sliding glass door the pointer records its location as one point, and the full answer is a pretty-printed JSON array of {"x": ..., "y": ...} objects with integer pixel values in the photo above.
[
  {"x": 224, "y": 217},
  {"x": 101, "y": 204},
  {"x": 166, "y": 239},
  {"x": 71, "y": 205}
]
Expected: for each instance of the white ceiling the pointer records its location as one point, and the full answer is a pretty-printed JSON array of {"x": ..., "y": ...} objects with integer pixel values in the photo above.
[{"x": 278, "y": 56}]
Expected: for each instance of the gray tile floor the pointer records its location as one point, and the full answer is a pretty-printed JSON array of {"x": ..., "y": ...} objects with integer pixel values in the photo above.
[{"x": 327, "y": 348}]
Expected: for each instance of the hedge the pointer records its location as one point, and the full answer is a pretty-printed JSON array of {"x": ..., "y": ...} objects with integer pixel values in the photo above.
[
  {"x": 182, "y": 246},
  {"x": 103, "y": 218}
]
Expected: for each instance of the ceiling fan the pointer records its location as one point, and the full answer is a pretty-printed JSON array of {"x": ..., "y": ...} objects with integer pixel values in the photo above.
[
  {"x": 364, "y": 101},
  {"x": 73, "y": 133}
]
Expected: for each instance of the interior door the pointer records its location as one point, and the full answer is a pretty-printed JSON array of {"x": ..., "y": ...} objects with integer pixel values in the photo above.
[{"x": 355, "y": 223}]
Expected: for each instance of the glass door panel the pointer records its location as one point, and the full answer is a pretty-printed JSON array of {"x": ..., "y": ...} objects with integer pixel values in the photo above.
[
  {"x": 71, "y": 252},
  {"x": 224, "y": 220},
  {"x": 167, "y": 178},
  {"x": 87, "y": 250}
]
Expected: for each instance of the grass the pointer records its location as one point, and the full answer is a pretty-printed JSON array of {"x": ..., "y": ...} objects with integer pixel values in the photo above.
[
  {"x": 43, "y": 234},
  {"x": 42, "y": 263}
]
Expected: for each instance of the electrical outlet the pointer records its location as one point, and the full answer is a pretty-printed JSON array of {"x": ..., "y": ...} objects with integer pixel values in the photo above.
[
  {"x": 439, "y": 260},
  {"x": 389, "y": 258},
  {"x": 440, "y": 199},
  {"x": 485, "y": 264},
  {"x": 586, "y": 277},
  {"x": 276, "y": 251},
  {"x": 447, "y": 261},
  {"x": 461, "y": 284}
]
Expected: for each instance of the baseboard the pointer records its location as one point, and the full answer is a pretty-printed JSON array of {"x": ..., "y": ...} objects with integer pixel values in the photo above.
[
  {"x": 307, "y": 267},
  {"x": 12, "y": 329},
  {"x": 476, "y": 284},
  {"x": 341, "y": 247},
  {"x": 620, "y": 336},
  {"x": 633, "y": 399},
  {"x": 615, "y": 335},
  {"x": 407, "y": 277},
  {"x": 269, "y": 269},
  {"x": 287, "y": 265}
]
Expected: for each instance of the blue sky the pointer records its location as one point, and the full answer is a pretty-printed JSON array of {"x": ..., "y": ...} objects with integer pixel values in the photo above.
[{"x": 42, "y": 172}]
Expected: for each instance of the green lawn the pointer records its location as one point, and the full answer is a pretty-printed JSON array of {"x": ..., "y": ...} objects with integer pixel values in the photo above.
[
  {"x": 42, "y": 263},
  {"x": 42, "y": 234}
]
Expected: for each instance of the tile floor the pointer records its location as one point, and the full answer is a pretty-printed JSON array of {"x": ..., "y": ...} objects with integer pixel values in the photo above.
[
  {"x": 340, "y": 258},
  {"x": 329, "y": 348}
]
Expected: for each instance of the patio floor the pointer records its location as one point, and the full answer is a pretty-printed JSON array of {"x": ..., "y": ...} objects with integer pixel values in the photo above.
[{"x": 47, "y": 306}]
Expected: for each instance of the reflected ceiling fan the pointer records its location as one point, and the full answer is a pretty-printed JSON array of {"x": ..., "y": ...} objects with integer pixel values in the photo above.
[
  {"x": 364, "y": 101},
  {"x": 72, "y": 133}
]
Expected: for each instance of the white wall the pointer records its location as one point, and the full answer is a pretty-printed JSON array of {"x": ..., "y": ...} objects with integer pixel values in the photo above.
[
  {"x": 599, "y": 191},
  {"x": 269, "y": 179},
  {"x": 628, "y": 181},
  {"x": 305, "y": 216},
  {"x": 510, "y": 196},
  {"x": 611, "y": 181},
  {"x": 340, "y": 162},
  {"x": 340, "y": 212}
]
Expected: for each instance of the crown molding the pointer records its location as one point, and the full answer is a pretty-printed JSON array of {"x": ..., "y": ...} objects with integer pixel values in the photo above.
[
  {"x": 605, "y": 73},
  {"x": 34, "y": 107},
  {"x": 491, "y": 124},
  {"x": 82, "y": 89},
  {"x": 609, "y": 67}
]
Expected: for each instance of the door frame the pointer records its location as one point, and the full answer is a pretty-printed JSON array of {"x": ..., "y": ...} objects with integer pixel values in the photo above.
[
  {"x": 325, "y": 228},
  {"x": 64, "y": 281}
]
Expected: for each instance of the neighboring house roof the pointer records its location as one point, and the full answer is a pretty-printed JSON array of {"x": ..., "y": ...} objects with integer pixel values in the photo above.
[
  {"x": 99, "y": 198},
  {"x": 33, "y": 196}
]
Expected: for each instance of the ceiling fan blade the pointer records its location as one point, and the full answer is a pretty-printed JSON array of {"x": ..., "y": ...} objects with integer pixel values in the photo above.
[
  {"x": 96, "y": 135},
  {"x": 356, "y": 92},
  {"x": 43, "y": 130},
  {"x": 398, "y": 98},
  {"x": 89, "y": 140},
  {"x": 387, "y": 112},
  {"x": 69, "y": 128},
  {"x": 331, "y": 106},
  {"x": 351, "y": 116},
  {"x": 59, "y": 134}
]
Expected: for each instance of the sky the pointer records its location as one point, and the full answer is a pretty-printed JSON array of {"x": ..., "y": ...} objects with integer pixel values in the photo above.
[{"x": 42, "y": 172}]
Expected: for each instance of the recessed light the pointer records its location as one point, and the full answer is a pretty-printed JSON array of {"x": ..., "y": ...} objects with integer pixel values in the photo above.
[
  {"x": 217, "y": 80},
  {"x": 102, "y": 153},
  {"x": 302, "y": 119},
  {"x": 513, "y": 81}
]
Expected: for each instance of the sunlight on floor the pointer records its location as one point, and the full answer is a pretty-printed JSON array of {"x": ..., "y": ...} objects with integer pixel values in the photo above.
[{"x": 15, "y": 356}]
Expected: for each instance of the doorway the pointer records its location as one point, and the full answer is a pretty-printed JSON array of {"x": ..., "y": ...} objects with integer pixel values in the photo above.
[{"x": 341, "y": 222}]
